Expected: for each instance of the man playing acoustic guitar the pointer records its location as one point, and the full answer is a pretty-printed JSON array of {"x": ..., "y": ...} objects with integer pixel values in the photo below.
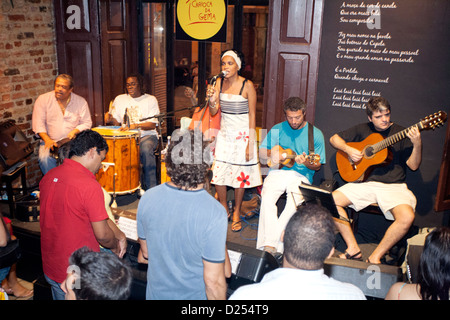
[
  {"x": 384, "y": 185},
  {"x": 286, "y": 149}
]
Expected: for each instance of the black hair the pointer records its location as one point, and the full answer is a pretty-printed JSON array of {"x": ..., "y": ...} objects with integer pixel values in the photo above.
[
  {"x": 66, "y": 77},
  {"x": 103, "y": 276},
  {"x": 434, "y": 265},
  {"x": 85, "y": 141},
  {"x": 240, "y": 56},
  {"x": 140, "y": 80},
  {"x": 309, "y": 237},
  {"x": 188, "y": 159}
]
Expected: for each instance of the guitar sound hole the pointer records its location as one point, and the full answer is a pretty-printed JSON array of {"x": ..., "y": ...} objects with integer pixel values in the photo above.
[{"x": 369, "y": 152}]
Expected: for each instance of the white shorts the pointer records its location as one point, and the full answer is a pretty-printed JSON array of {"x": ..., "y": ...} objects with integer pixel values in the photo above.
[{"x": 386, "y": 195}]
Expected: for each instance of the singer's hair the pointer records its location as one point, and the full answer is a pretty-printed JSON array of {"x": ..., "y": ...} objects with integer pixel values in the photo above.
[{"x": 240, "y": 56}]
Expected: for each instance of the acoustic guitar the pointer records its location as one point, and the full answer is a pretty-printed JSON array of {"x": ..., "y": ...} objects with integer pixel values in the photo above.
[
  {"x": 375, "y": 149},
  {"x": 287, "y": 158}
]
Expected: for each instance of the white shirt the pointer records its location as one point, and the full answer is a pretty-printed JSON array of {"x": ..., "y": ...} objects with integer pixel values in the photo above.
[
  {"x": 137, "y": 108},
  {"x": 296, "y": 284}
]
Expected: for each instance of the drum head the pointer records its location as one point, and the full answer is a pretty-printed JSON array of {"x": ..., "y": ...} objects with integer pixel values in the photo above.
[{"x": 114, "y": 132}]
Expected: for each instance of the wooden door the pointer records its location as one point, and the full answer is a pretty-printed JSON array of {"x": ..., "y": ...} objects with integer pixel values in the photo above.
[
  {"x": 97, "y": 47},
  {"x": 292, "y": 56},
  {"x": 443, "y": 190},
  {"x": 119, "y": 43},
  {"x": 78, "y": 49}
]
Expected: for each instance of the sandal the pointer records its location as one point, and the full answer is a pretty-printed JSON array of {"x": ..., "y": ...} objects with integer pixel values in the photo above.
[
  {"x": 25, "y": 294},
  {"x": 236, "y": 226},
  {"x": 353, "y": 257},
  {"x": 368, "y": 261}
]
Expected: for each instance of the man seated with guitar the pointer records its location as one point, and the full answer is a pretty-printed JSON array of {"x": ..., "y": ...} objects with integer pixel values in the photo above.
[
  {"x": 287, "y": 152},
  {"x": 382, "y": 182}
]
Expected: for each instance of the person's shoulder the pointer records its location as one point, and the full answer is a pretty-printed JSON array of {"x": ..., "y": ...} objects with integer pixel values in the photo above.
[
  {"x": 120, "y": 97},
  {"x": 149, "y": 97},
  {"x": 46, "y": 96},
  {"x": 403, "y": 291},
  {"x": 248, "y": 82},
  {"x": 316, "y": 130},
  {"x": 279, "y": 125},
  {"x": 77, "y": 98}
]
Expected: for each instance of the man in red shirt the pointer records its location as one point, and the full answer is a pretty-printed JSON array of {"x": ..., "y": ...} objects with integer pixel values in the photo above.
[{"x": 73, "y": 213}]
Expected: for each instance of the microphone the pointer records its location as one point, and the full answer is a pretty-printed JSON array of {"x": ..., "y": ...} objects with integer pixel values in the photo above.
[{"x": 220, "y": 75}]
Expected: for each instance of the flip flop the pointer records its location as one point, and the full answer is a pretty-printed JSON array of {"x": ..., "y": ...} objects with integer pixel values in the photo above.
[
  {"x": 353, "y": 257},
  {"x": 382, "y": 262},
  {"x": 236, "y": 226}
]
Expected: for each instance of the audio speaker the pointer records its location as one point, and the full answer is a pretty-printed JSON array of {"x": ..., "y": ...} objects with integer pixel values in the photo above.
[
  {"x": 14, "y": 145},
  {"x": 249, "y": 265},
  {"x": 374, "y": 280}
]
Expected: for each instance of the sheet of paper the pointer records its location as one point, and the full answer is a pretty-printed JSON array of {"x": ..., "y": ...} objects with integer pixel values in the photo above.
[
  {"x": 235, "y": 259},
  {"x": 129, "y": 227}
]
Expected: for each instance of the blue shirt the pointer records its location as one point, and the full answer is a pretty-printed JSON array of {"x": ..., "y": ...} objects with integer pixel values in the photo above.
[
  {"x": 297, "y": 140},
  {"x": 181, "y": 228}
]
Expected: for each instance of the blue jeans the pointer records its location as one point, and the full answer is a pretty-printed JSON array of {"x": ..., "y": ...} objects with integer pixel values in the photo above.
[
  {"x": 57, "y": 292},
  {"x": 47, "y": 164},
  {"x": 147, "y": 146},
  {"x": 3, "y": 273}
]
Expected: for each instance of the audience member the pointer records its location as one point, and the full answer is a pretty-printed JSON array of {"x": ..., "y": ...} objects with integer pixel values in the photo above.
[
  {"x": 308, "y": 241},
  {"x": 73, "y": 211},
  {"x": 434, "y": 271},
  {"x": 97, "y": 276},
  {"x": 182, "y": 229},
  {"x": 11, "y": 284},
  {"x": 4, "y": 238}
]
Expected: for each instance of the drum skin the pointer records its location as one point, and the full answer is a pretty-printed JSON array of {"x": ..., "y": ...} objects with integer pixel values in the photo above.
[
  {"x": 164, "y": 177},
  {"x": 120, "y": 173}
]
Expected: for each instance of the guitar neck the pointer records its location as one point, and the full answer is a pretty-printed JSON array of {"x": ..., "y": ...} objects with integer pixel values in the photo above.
[{"x": 389, "y": 141}]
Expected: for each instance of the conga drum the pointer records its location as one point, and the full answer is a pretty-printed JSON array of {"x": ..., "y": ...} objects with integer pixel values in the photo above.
[
  {"x": 164, "y": 177},
  {"x": 120, "y": 173}
]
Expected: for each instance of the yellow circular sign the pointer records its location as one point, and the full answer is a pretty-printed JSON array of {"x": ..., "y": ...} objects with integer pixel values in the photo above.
[{"x": 201, "y": 19}]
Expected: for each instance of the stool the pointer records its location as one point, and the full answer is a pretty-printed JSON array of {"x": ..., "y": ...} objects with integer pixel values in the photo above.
[
  {"x": 354, "y": 215},
  {"x": 8, "y": 178}
]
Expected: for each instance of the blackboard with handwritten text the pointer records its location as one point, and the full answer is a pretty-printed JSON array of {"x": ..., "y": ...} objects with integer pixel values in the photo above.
[{"x": 396, "y": 49}]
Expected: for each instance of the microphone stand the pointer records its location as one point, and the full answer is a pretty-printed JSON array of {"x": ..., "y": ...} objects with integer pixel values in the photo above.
[{"x": 161, "y": 118}]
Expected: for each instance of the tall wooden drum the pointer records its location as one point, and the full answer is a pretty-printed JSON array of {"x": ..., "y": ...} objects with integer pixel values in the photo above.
[{"x": 120, "y": 173}]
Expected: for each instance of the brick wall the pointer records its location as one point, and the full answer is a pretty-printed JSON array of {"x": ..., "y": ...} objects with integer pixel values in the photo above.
[{"x": 28, "y": 65}]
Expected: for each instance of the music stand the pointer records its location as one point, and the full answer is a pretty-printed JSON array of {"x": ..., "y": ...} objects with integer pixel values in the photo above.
[{"x": 312, "y": 194}]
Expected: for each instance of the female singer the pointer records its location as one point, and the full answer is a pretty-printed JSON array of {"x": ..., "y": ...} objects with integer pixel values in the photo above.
[{"x": 236, "y": 158}]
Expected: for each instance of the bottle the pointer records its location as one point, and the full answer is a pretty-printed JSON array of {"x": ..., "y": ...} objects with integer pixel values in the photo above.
[
  {"x": 167, "y": 146},
  {"x": 4, "y": 195},
  {"x": 126, "y": 119},
  {"x": 230, "y": 207}
]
